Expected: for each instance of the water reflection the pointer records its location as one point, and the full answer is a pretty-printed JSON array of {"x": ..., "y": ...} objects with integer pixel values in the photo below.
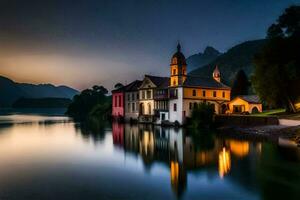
[
  {"x": 187, "y": 152},
  {"x": 67, "y": 160}
]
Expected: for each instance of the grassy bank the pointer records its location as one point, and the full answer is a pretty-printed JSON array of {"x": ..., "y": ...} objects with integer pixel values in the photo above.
[{"x": 281, "y": 113}]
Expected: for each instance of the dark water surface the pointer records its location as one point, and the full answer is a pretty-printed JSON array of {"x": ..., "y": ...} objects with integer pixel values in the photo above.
[{"x": 46, "y": 157}]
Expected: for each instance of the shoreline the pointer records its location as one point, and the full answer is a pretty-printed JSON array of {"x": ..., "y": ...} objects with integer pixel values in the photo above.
[{"x": 272, "y": 133}]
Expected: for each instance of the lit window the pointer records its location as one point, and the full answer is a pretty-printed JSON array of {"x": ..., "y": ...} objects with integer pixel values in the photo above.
[
  {"x": 174, "y": 82},
  {"x": 174, "y": 71}
]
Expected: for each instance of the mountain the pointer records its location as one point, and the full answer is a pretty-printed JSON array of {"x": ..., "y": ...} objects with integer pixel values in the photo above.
[
  {"x": 199, "y": 60},
  {"x": 11, "y": 91},
  {"x": 236, "y": 58}
]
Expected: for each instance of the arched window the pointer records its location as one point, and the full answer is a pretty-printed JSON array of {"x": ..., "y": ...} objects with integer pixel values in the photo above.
[{"x": 174, "y": 71}]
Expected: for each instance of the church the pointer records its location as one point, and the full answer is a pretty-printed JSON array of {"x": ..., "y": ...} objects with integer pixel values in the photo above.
[{"x": 171, "y": 99}]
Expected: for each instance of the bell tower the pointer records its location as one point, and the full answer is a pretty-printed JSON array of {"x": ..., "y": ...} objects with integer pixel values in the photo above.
[
  {"x": 178, "y": 68},
  {"x": 217, "y": 74}
]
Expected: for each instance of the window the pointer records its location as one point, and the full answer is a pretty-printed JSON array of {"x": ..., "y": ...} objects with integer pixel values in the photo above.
[
  {"x": 137, "y": 95},
  {"x": 191, "y": 106},
  {"x": 203, "y": 93},
  {"x": 128, "y": 97},
  {"x": 215, "y": 94},
  {"x": 128, "y": 107},
  {"x": 120, "y": 101},
  {"x": 174, "y": 71},
  {"x": 194, "y": 93},
  {"x": 223, "y": 94},
  {"x": 174, "y": 82},
  {"x": 175, "y": 107},
  {"x": 133, "y": 107},
  {"x": 143, "y": 95},
  {"x": 116, "y": 101},
  {"x": 132, "y": 97},
  {"x": 149, "y": 94}
]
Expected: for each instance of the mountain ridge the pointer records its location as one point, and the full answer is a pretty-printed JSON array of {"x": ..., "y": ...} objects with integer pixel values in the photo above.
[
  {"x": 10, "y": 91},
  {"x": 236, "y": 58},
  {"x": 203, "y": 58}
]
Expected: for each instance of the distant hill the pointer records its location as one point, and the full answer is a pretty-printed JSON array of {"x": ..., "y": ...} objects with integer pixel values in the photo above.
[
  {"x": 236, "y": 58},
  {"x": 42, "y": 103},
  {"x": 199, "y": 60},
  {"x": 11, "y": 91}
]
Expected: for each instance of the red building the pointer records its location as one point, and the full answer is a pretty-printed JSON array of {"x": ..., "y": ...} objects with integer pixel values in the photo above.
[{"x": 118, "y": 103}]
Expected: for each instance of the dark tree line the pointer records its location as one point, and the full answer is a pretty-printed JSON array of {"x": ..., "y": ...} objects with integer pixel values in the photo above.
[
  {"x": 277, "y": 67},
  {"x": 90, "y": 102}
]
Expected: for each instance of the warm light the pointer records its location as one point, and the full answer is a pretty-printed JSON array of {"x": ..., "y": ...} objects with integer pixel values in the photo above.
[
  {"x": 239, "y": 148},
  {"x": 174, "y": 173},
  {"x": 147, "y": 144},
  {"x": 224, "y": 162}
]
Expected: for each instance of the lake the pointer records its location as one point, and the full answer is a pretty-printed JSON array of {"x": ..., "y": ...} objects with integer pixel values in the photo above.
[{"x": 51, "y": 157}]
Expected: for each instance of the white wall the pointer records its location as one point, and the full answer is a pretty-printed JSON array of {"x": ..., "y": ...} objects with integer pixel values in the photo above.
[{"x": 176, "y": 115}]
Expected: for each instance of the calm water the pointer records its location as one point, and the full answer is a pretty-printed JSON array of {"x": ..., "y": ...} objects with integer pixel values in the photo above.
[{"x": 46, "y": 157}]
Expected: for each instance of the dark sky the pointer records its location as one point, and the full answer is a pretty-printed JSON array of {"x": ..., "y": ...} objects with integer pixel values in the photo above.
[{"x": 84, "y": 42}]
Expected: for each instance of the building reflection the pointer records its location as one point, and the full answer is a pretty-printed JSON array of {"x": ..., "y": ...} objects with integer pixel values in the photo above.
[
  {"x": 182, "y": 152},
  {"x": 224, "y": 162}
]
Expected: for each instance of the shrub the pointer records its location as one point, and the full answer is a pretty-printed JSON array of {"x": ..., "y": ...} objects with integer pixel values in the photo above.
[{"x": 202, "y": 115}]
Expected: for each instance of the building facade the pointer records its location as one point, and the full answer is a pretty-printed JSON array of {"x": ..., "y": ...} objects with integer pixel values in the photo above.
[
  {"x": 188, "y": 91},
  {"x": 132, "y": 100},
  {"x": 172, "y": 99},
  {"x": 118, "y": 103}
]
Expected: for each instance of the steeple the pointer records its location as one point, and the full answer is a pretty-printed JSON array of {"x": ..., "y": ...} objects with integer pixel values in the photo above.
[
  {"x": 217, "y": 74},
  {"x": 178, "y": 47},
  {"x": 178, "y": 68}
]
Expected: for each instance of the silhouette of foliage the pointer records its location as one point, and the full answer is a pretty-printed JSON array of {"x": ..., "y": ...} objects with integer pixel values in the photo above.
[
  {"x": 277, "y": 74},
  {"x": 240, "y": 84},
  {"x": 95, "y": 100},
  {"x": 202, "y": 116}
]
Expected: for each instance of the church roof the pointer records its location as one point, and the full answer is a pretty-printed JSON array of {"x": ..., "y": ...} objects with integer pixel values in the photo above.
[
  {"x": 159, "y": 81},
  {"x": 250, "y": 98},
  {"x": 133, "y": 86},
  {"x": 207, "y": 82}
]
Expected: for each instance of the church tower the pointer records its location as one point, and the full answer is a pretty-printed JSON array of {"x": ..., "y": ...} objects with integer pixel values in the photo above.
[
  {"x": 178, "y": 68},
  {"x": 217, "y": 74}
]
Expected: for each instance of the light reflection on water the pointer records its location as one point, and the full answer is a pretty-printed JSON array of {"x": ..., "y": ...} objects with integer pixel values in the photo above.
[{"x": 61, "y": 159}]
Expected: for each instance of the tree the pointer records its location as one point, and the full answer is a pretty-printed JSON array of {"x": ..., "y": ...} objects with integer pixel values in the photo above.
[
  {"x": 84, "y": 103},
  {"x": 240, "y": 84},
  {"x": 202, "y": 115},
  {"x": 277, "y": 73}
]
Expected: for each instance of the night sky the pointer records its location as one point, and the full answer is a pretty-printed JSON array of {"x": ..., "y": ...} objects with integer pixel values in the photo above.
[{"x": 81, "y": 43}]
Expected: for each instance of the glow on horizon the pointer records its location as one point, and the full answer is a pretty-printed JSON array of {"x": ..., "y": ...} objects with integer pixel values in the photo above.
[{"x": 79, "y": 72}]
